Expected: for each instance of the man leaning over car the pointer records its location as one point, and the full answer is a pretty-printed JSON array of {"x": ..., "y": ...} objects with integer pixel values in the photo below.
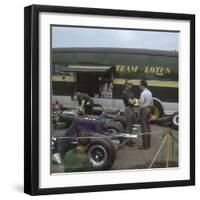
[{"x": 85, "y": 102}]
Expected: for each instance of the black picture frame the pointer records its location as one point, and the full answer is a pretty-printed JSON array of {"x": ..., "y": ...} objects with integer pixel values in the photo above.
[{"x": 31, "y": 98}]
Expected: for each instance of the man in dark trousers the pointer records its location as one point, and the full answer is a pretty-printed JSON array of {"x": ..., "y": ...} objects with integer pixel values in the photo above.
[
  {"x": 85, "y": 102},
  {"x": 128, "y": 99},
  {"x": 146, "y": 101}
]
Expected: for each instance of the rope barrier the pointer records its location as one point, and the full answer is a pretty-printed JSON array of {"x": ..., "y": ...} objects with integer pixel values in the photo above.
[
  {"x": 116, "y": 135},
  {"x": 167, "y": 138},
  {"x": 167, "y": 151},
  {"x": 158, "y": 152}
]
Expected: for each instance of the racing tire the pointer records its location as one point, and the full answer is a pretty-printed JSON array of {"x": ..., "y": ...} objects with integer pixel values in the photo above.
[
  {"x": 175, "y": 120},
  {"x": 114, "y": 127},
  {"x": 120, "y": 119},
  {"x": 101, "y": 153},
  {"x": 156, "y": 110}
]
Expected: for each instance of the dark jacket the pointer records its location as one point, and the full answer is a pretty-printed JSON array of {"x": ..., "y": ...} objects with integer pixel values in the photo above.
[
  {"x": 126, "y": 95},
  {"x": 86, "y": 98}
]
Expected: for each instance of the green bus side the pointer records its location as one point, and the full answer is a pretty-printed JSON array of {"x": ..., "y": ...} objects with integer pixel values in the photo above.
[{"x": 159, "y": 68}]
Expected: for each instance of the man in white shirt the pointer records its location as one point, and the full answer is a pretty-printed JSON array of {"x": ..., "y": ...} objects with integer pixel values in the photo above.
[{"x": 146, "y": 101}]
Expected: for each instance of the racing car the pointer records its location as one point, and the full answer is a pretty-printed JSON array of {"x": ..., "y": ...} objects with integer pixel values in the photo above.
[
  {"x": 103, "y": 130},
  {"x": 101, "y": 148},
  {"x": 63, "y": 119}
]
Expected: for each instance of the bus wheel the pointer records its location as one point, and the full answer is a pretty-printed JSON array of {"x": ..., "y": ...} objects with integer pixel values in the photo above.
[
  {"x": 175, "y": 120},
  {"x": 156, "y": 110}
]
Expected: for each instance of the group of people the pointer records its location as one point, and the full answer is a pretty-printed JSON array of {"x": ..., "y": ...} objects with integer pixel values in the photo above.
[
  {"x": 135, "y": 111},
  {"x": 131, "y": 108}
]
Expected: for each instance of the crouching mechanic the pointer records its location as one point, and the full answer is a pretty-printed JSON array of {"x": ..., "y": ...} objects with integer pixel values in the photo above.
[
  {"x": 76, "y": 159},
  {"x": 85, "y": 102}
]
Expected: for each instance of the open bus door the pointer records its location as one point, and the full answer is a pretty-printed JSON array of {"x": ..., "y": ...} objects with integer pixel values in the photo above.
[
  {"x": 91, "y": 79},
  {"x": 96, "y": 80}
]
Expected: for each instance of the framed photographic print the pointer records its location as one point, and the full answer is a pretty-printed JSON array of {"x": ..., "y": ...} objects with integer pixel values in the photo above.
[{"x": 109, "y": 100}]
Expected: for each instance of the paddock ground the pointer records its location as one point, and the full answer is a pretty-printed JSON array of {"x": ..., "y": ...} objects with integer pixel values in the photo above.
[{"x": 133, "y": 158}]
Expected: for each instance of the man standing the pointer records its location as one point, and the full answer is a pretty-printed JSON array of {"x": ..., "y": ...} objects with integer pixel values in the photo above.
[
  {"x": 128, "y": 99},
  {"x": 85, "y": 102},
  {"x": 146, "y": 101}
]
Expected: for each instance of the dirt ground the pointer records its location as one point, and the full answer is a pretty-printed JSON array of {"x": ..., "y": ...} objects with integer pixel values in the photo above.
[{"x": 133, "y": 158}]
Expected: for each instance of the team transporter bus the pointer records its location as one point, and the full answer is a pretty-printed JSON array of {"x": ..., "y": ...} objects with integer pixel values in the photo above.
[{"x": 103, "y": 72}]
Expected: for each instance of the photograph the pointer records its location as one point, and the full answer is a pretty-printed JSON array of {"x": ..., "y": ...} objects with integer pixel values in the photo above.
[
  {"x": 109, "y": 99},
  {"x": 114, "y": 99}
]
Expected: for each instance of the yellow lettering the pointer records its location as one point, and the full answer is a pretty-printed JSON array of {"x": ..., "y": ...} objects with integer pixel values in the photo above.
[
  {"x": 146, "y": 70},
  {"x": 117, "y": 68},
  {"x": 168, "y": 70},
  {"x": 157, "y": 70},
  {"x": 152, "y": 70},
  {"x": 120, "y": 68},
  {"x": 135, "y": 69},
  {"x": 161, "y": 70}
]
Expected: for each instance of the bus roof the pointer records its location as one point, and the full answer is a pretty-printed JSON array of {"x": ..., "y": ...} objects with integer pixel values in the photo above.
[{"x": 115, "y": 50}]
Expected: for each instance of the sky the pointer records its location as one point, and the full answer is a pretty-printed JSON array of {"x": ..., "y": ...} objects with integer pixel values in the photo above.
[{"x": 94, "y": 37}]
